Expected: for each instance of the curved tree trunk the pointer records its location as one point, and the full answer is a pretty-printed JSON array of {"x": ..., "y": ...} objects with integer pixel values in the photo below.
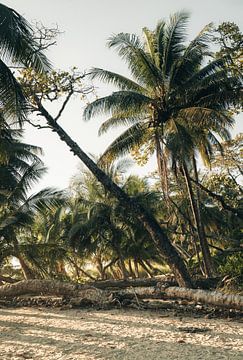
[
  {"x": 207, "y": 261},
  {"x": 160, "y": 239}
]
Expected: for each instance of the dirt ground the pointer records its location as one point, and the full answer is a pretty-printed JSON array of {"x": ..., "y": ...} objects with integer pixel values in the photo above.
[{"x": 39, "y": 333}]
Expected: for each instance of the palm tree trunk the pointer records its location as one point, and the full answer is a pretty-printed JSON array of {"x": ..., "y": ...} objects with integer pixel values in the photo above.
[
  {"x": 160, "y": 239},
  {"x": 162, "y": 168},
  {"x": 209, "y": 257},
  {"x": 201, "y": 235},
  {"x": 27, "y": 272},
  {"x": 136, "y": 268},
  {"x": 131, "y": 269},
  {"x": 149, "y": 273}
]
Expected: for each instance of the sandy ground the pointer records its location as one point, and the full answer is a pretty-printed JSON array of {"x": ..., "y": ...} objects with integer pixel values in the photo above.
[{"x": 27, "y": 333}]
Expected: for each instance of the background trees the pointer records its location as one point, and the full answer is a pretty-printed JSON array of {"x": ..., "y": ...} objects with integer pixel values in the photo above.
[
  {"x": 178, "y": 108},
  {"x": 174, "y": 105}
]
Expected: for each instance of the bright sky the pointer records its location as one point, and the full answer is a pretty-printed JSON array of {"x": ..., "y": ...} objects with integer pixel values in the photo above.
[{"x": 87, "y": 24}]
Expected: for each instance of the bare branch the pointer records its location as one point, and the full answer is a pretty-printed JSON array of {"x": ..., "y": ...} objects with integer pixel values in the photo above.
[{"x": 64, "y": 105}]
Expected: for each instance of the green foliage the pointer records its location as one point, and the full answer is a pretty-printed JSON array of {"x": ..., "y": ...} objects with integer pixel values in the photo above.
[{"x": 232, "y": 268}]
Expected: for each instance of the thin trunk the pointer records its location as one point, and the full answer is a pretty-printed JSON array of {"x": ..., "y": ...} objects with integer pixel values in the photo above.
[
  {"x": 162, "y": 168},
  {"x": 27, "y": 272},
  {"x": 79, "y": 270},
  {"x": 121, "y": 260},
  {"x": 204, "y": 245},
  {"x": 136, "y": 268},
  {"x": 193, "y": 229},
  {"x": 198, "y": 200},
  {"x": 160, "y": 239},
  {"x": 100, "y": 267},
  {"x": 149, "y": 273},
  {"x": 131, "y": 269}
]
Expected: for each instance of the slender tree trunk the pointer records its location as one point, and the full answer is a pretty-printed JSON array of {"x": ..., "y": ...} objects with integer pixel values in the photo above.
[
  {"x": 160, "y": 239},
  {"x": 149, "y": 273},
  {"x": 100, "y": 267},
  {"x": 27, "y": 272},
  {"x": 136, "y": 268},
  {"x": 204, "y": 245},
  {"x": 121, "y": 260},
  {"x": 198, "y": 200},
  {"x": 162, "y": 168},
  {"x": 131, "y": 269}
]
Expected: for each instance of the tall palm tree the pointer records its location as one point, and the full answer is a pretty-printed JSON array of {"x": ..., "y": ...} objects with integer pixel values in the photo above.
[
  {"x": 171, "y": 92},
  {"x": 18, "y": 49}
]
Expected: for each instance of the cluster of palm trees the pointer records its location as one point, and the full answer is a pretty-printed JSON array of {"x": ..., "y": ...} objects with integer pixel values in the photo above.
[{"x": 176, "y": 105}]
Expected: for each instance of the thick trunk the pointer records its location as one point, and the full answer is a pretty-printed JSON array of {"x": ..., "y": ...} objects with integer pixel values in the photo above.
[
  {"x": 160, "y": 239},
  {"x": 88, "y": 292},
  {"x": 202, "y": 239},
  {"x": 207, "y": 297}
]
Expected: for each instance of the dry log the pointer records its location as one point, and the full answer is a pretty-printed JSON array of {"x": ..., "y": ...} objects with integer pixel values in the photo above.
[
  {"x": 207, "y": 297},
  {"x": 158, "y": 281},
  {"x": 140, "y": 282},
  {"x": 90, "y": 294}
]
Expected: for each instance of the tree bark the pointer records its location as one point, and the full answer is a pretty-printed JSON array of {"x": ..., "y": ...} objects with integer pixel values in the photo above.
[
  {"x": 160, "y": 239},
  {"x": 207, "y": 297},
  {"x": 94, "y": 294}
]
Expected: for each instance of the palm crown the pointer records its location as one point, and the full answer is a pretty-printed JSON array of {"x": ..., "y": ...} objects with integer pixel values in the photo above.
[
  {"x": 18, "y": 48},
  {"x": 172, "y": 91}
]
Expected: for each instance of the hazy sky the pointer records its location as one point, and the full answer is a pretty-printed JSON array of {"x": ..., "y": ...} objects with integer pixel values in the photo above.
[{"x": 86, "y": 26}]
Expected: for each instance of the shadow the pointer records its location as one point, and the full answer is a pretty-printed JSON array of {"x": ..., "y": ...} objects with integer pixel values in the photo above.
[{"x": 107, "y": 338}]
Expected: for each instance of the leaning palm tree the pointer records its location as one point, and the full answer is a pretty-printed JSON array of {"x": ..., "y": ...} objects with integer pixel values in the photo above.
[
  {"x": 18, "y": 49},
  {"x": 171, "y": 91}
]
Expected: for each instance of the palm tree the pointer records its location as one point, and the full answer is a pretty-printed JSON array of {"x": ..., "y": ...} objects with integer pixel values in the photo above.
[
  {"x": 18, "y": 49},
  {"x": 171, "y": 95},
  {"x": 101, "y": 224},
  {"x": 20, "y": 168}
]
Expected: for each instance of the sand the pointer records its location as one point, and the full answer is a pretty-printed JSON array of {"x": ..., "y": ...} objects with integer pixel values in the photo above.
[{"x": 47, "y": 334}]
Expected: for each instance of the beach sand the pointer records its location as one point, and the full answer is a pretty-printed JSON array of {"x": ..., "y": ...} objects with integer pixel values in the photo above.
[{"x": 52, "y": 334}]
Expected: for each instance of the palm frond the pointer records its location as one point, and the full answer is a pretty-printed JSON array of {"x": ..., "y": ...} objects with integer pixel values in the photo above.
[
  {"x": 122, "y": 82},
  {"x": 16, "y": 39},
  {"x": 119, "y": 101},
  {"x": 134, "y": 136},
  {"x": 174, "y": 37},
  {"x": 121, "y": 119},
  {"x": 12, "y": 99},
  {"x": 140, "y": 64}
]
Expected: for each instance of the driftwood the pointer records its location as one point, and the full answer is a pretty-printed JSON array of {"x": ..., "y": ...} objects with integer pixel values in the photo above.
[
  {"x": 140, "y": 282},
  {"x": 215, "y": 298},
  {"x": 162, "y": 280},
  {"x": 83, "y": 294}
]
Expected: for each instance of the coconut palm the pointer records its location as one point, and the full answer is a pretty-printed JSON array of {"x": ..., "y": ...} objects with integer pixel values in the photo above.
[
  {"x": 104, "y": 227},
  {"x": 20, "y": 168},
  {"x": 18, "y": 49},
  {"x": 172, "y": 95}
]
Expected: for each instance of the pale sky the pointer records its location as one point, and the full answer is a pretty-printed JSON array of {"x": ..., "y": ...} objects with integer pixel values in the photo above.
[{"x": 87, "y": 24}]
